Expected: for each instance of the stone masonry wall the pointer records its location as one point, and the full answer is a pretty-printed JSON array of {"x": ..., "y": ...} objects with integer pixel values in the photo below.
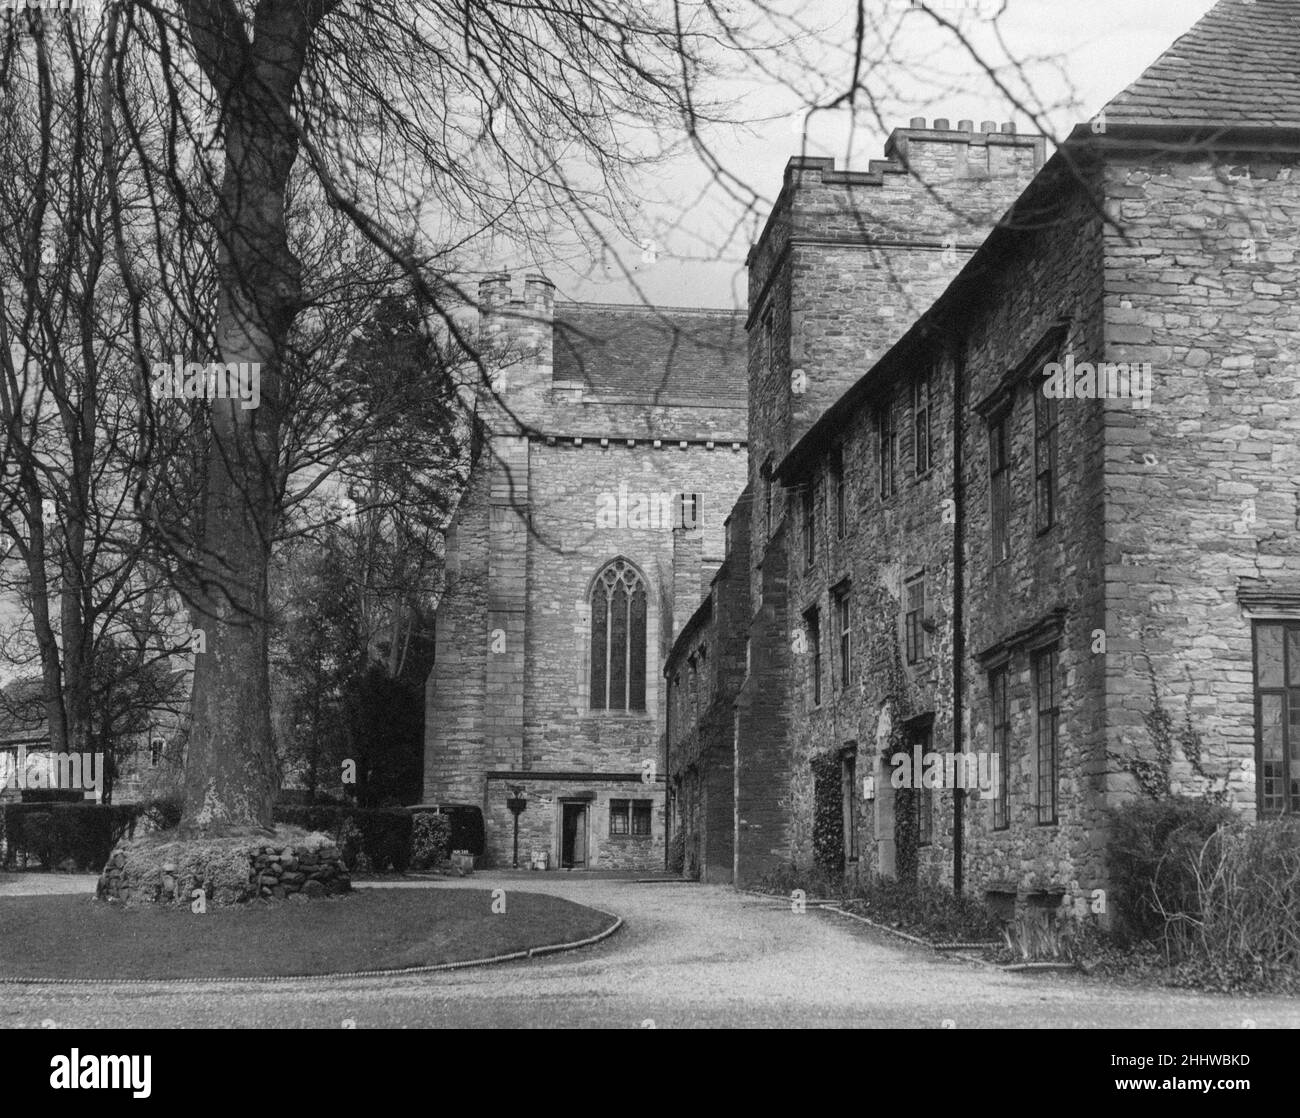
[
  {"x": 846, "y": 263},
  {"x": 1051, "y": 275},
  {"x": 700, "y": 738},
  {"x": 1202, "y": 496},
  {"x": 228, "y": 871},
  {"x": 848, "y": 260},
  {"x": 594, "y": 479},
  {"x": 539, "y": 824}
]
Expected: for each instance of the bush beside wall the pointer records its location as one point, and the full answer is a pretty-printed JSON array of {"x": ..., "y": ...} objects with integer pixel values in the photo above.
[
  {"x": 1149, "y": 853},
  {"x": 430, "y": 840},
  {"x": 68, "y": 836},
  {"x": 383, "y": 835}
]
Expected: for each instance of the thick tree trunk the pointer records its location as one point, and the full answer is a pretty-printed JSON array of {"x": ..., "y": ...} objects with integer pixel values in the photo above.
[{"x": 230, "y": 764}]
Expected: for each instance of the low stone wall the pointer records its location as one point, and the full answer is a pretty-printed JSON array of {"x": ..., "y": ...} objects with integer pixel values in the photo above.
[{"x": 293, "y": 864}]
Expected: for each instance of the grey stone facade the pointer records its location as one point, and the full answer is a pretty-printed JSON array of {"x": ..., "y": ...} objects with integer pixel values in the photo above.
[
  {"x": 1051, "y": 580},
  {"x": 602, "y": 418}
]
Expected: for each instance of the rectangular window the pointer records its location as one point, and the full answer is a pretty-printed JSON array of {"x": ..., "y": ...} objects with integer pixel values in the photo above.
[
  {"x": 810, "y": 522},
  {"x": 888, "y": 452},
  {"x": 619, "y": 817},
  {"x": 1048, "y": 717},
  {"x": 1000, "y": 487},
  {"x": 1045, "y": 414},
  {"x": 769, "y": 341},
  {"x": 1277, "y": 717},
  {"x": 842, "y": 625},
  {"x": 921, "y": 410},
  {"x": 841, "y": 493},
  {"x": 849, "y": 784},
  {"x": 641, "y": 816},
  {"x": 921, "y": 799},
  {"x": 913, "y": 621},
  {"x": 767, "y": 497},
  {"x": 1001, "y": 720},
  {"x": 811, "y": 624}
]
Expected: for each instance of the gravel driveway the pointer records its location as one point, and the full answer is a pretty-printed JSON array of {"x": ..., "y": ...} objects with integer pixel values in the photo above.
[{"x": 687, "y": 956}]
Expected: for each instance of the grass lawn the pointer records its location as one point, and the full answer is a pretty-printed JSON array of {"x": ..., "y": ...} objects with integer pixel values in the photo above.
[{"x": 370, "y": 929}]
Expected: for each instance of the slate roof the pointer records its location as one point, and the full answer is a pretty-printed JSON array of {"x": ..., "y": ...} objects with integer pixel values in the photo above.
[
  {"x": 652, "y": 355},
  {"x": 1240, "y": 65}
]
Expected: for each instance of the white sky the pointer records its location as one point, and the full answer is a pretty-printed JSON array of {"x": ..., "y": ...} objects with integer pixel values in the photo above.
[{"x": 1076, "y": 57}]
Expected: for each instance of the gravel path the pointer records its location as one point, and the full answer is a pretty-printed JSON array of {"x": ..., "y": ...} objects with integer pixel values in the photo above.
[{"x": 688, "y": 955}]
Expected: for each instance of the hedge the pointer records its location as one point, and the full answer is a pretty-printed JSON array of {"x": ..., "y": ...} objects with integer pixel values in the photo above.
[
  {"x": 1150, "y": 853},
  {"x": 53, "y": 833},
  {"x": 382, "y": 834},
  {"x": 466, "y": 828}
]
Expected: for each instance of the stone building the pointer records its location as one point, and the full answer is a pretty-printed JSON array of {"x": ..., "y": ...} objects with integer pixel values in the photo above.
[
  {"x": 1053, "y": 530},
  {"x": 846, "y": 262},
  {"x": 610, "y": 450}
]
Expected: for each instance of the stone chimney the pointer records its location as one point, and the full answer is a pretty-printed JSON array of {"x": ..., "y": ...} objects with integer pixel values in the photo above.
[
  {"x": 539, "y": 306},
  {"x": 493, "y": 303}
]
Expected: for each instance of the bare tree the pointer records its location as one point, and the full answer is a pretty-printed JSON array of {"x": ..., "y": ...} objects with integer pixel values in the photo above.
[
  {"x": 74, "y": 452},
  {"x": 425, "y": 127}
]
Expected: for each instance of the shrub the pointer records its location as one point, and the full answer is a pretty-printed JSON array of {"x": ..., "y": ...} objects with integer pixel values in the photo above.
[
  {"x": 430, "y": 840},
  {"x": 1039, "y": 935},
  {"x": 349, "y": 842},
  {"x": 467, "y": 831},
  {"x": 36, "y": 833},
  {"x": 931, "y": 911},
  {"x": 816, "y": 881},
  {"x": 386, "y": 838},
  {"x": 1246, "y": 916},
  {"x": 54, "y": 833},
  {"x": 677, "y": 851},
  {"x": 382, "y": 834},
  {"x": 1150, "y": 855}
]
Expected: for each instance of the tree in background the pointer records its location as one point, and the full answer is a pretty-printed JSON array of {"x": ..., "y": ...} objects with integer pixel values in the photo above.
[
  {"x": 362, "y": 590},
  {"x": 223, "y": 119}
]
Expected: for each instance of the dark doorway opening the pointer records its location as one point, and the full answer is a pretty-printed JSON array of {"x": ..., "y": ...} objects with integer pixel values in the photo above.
[{"x": 573, "y": 836}]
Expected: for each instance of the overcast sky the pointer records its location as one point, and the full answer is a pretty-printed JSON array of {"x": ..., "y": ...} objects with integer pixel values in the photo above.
[{"x": 1076, "y": 57}]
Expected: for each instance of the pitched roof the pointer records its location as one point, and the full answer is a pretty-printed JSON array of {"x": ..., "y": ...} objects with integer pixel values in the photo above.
[
  {"x": 652, "y": 354},
  {"x": 1240, "y": 65}
]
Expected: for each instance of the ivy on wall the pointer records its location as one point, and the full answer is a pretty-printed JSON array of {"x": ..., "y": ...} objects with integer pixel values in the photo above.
[
  {"x": 1154, "y": 773},
  {"x": 884, "y": 665},
  {"x": 828, "y": 813}
]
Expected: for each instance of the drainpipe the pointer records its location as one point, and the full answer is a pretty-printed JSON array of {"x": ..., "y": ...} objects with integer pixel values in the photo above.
[{"x": 958, "y": 611}]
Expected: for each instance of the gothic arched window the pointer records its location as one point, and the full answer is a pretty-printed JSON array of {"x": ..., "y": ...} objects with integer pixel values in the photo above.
[{"x": 618, "y": 638}]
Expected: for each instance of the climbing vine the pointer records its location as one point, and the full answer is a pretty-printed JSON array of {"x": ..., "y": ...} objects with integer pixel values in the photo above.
[
  {"x": 884, "y": 663},
  {"x": 828, "y": 813},
  {"x": 1153, "y": 774}
]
